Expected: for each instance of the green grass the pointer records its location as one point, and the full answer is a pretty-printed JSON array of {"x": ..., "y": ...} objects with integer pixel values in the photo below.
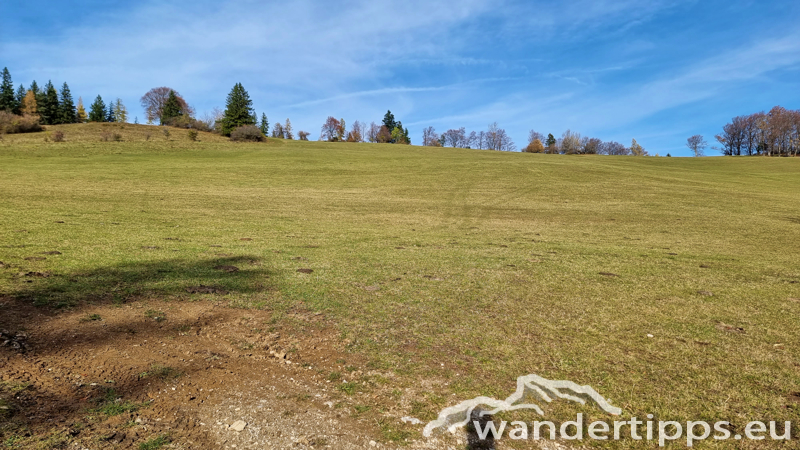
[
  {"x": 155, "y": 443},
  {"x": 467, "y": 267},
  {"x": 110, "y": 404}
]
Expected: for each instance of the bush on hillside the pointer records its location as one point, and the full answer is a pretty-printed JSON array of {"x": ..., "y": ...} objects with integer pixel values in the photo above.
[
  {"x": 184, "y": 121},
  {"x": 12, "y": 123},
  {"x": 58, "y": 136},
  {"x": 247, "y": 133}
]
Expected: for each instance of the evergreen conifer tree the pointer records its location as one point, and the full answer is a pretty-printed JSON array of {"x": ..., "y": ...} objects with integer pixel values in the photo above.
[
  {"x": 7, "y": 99},
  {"x": 238, "y": 110},
  {"x": 67, "y": 106},
  {"x": 48, "y": 105},
  {"x": 110, "y": 117},
  {"x": 264, "y": 124},
  {"x": 20, "y": 99},
  {"x": 97, "y": 111},
  {"x": 389, "y": 122},
  {"x": 172, "y": 108}
]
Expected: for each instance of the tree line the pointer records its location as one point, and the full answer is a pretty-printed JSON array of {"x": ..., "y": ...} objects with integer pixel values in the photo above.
[
  {"x": 51, "y": 106},
  {"x": 496, "y": 138},
  {"x": 774, "y": 133},
  {"x": 390, "y": 131}
]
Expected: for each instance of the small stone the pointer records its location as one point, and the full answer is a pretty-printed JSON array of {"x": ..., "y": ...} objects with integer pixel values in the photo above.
[
  {"x": 650, "y": 335},
  {"x": 373, "y": 443},
  {"x": 238, "y": 426}
]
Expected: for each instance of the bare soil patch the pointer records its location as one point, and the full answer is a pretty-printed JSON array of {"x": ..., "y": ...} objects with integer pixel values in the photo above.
[{"x": 208, "y": 376}]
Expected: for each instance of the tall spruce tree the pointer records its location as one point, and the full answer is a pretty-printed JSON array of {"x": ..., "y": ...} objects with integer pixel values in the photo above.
[
  {"x": 20, "y": 99},
  {"x": 48, "y": 106},
  {"x": 67, "y": 106},
  {"x": 110, "y": 117},
  {"x": 97, "y": 111},
  {"x": 171, "y": 109},
  {"x": 389, "y": 122},
  {"x": 7, "y": 100},
  {"x": 238, "y": 110},
  {"x": 264, "y": 124},
  {"x": 551, "y": 140}
]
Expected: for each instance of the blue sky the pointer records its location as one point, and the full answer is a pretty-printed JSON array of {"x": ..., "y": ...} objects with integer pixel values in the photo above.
[{"x": 657, "y": 71}]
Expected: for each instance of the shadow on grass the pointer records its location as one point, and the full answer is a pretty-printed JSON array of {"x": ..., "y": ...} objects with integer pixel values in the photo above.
[{"x": 130, "y": 281}]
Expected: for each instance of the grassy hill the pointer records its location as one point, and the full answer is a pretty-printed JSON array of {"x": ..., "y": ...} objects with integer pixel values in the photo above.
[{"x": 462, "y": 266}]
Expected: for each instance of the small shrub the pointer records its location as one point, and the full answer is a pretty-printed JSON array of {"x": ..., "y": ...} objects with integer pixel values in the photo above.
[
  {"x": 105, "y": 136},
  {"x": 166, "y": 132},
  {"x": 247, "y": 133},
  {"x": 192, "y": 135},
  {"x": 147, "y": 136},
  {"x": 58, "y": 136},
  {"x": 117, "y": 137},
  {"x": 12, "y": 123},
  {"x": 303, "y": 135},
  {"x": 184, "y": 121}
]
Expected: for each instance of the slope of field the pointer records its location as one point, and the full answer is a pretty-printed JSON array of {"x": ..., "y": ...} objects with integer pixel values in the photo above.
[{"x": 462, "y": 268}]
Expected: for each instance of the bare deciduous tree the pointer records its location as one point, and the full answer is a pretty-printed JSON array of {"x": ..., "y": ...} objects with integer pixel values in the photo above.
[
  {"x": 591, "y": 146},
  {"x": 614, "y": 148},
  {"x": 277, "y": 131},
  {"x": 498, "y": 139},
  {"x": 697, "y": 144},
  {"x": 570, "y": 143},
  {"x": 430, "y": 138},
  {"x": 287, "y": 130},
  {"x": 372, "y": 132}
]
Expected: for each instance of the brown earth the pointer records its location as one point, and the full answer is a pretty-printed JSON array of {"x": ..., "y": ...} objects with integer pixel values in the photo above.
[{"x": 188, "y": 370}]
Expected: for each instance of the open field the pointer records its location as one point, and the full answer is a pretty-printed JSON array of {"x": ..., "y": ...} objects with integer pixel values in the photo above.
[{"x": 448, "y": 273}]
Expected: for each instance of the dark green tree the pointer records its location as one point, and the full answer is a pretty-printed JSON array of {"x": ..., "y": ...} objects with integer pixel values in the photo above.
[
  {"x": 238, "y": 110},
  {"x": 19, "y": 99},
  {"x": 48, "y": 106},
  {"x": 66, "y": 106},
  {"x": 388, "y": 121},
  {"x": 35, "y": 89},
  {"x": 172, "y": 108},
  {"x": 7, "y": 100},
  {"x": 264, "y": 124},
  {"x": 110, "y": 117},
  {"x": 97, "y": 111},
  {"x": 551, "y": 140}
]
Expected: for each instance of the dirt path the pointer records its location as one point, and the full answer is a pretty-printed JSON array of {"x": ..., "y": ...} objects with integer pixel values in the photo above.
[{"x": 118, "y": 376}]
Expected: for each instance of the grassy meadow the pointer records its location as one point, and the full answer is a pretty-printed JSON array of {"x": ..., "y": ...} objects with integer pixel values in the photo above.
[{"x": 460, "y": 268}]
